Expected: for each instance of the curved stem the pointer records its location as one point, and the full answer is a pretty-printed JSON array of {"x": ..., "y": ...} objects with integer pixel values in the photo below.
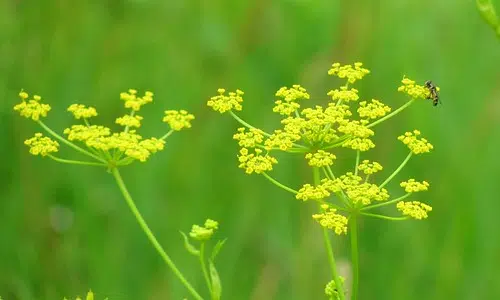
[
  {"x": 396, "y": 171},
  {"x": 384, "y": 217},
  {"x": 397, "y": 111},
  {"x": 386, "y": 203},
  {"x": 354, "y": 256},
  {"x": 76, "y": 162},
  {"x": 150, "y": 235},
  {"x": 167, "y": 134},
  {"x": 328, "y": 246},
  {"x": 279, "y": 184},
  {"x": 246, "y": 124},
  {"x": 65, "y": 141},
  {"x": 204, "y": 267}
]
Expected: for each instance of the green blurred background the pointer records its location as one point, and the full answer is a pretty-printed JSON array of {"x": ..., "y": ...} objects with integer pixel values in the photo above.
[{"x": 64, "y": 229}]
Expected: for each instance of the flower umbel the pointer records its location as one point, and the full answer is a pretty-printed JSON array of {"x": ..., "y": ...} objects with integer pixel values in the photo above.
[
  {"x": 41, "y": 145},
  {"x": 81, "y": 111},
  {"x": 412, "y": 186},
  {"x": 414, "y": 209},
  {"x": 416, "y": 145},
  {"x": 178, "y": 120},
  {"x": 223, "y": 103},
  {"x": 32, "y": 109},
  {"x": 256, "y": 162},
  {"x": 330, "y": 219}
]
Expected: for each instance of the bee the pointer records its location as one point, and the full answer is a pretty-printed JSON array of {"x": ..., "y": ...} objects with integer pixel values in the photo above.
[{"x": 433, "y": 90}]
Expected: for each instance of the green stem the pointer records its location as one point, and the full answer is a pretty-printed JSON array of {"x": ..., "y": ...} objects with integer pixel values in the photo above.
[
  {"x": 384, "y": 217},
  {"x": 357, "y": 163},
  {"x": 386, "y": 203},
  {"x": 341, "y": 195},
  {"x": 65, "y": 141},
  {"x": 279, "y": 184},
  {"x": 328, "y": 246},
  {"x": 76, "y": 162},
  {"x": 354, "y": 256},
  {"x": 396, "y": 171},
  {"x": 397, "y": 111},
  {"x": 150, "y": 235},
  {"x": 167, "y": 134},
  {"x": 132, "y": 113},
  {"x": 204, "y": 267}
]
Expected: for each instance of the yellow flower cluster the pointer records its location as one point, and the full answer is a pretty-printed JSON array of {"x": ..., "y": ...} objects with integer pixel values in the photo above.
[
  {"x": 133, "y": 101},
  {"x": 320, "y": 158},
  {"x": 282, "y": 140},
  {"x": 360, "y": 134},
  {"x": 178, "y": 120},
  {"x": 412, "y": 186},
  {"x": 255, "y": 162},
  {"x": 348, "y": 71},
  {"x": 330, "y": 219},
  {"x": 360, "y": 192},
  {"x": 81, "y": 111},
  {"x": 205, "y": 232},
  {"x": 130, "y": 121},
  {"x": 310, "y": 192},
  {"x": 290, "y": 95},
  {"x": 369, "y": 167},
  {"x": 31, "y": 109},
  {"x": 249, "y": 139},
  {"x": 344, "y": 94},
  {"x": 416, "y": 145},
  {"x": 41, "y": 145},
  {"x": 374, "y": 109},
  {"x": 223, "y": 103},
  {"x": 414, "y": 209},
  {"x": 415, "y": 91}
]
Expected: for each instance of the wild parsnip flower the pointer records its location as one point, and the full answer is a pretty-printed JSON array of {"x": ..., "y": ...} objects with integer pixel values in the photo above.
[
  {"x": 414, "y": 209},
  {"x": 289, "y": 95},
  {"x": 344, "y": 94},
  {"x": 223, "y": 103},
  {"x": 310, "y": 192},
  {"x": 130, "y": 121},
  {"x": 338, "y": 113},
  {"x": 84, "y": 133},
  {"x": 249, "y": 139},
  {"x": 315, "y": 127},
  {"x": 133, "y": 101},
  {"x": 204, "y": 233},
  {"x": 360, "y": 133},
  {"x": 41, "y": 145},
  {"x": 330, "y": 219},
  {"x": 81, "y": 111},
  {"x": 178, "y": 120},
  {"x": 416, "y": 145},
  {"x": 348, "y": 71},
  {"x": 415, "y": 91},
  {"x": 365, "y": 193},
  {"x": 374, "y": 109},
  {"x": 256, "y": 162},
  {"x": 281, "y": 139},
  {"x": 320, "y": 158},
  {"x": 32, "y": 109},
  {"x": 412, "y": 186},
  {"x": 369, "y": 167}
]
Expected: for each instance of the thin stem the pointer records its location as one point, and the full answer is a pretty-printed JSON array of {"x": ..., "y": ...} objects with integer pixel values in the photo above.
[
  {"x": 384, "y": 217},
  {"x": 342, "y": 196},
  {"x": 279, "y": 184},
  {"x": 150, "y": 235},
  {"x": 357, "y": 163},
  {"x": 76, "y": 162},
  {"x": 386, "y": 203},
  {"x": 397, "y": 111},
  {"x": 338, "y": 142},
  {"x": 204, "y": 267},
  {"x": 167, "y": 134},
  {"x": 65, "y": 141},
  {"x": 354, "y": 256},
  {"x": 328, "y": 246},
  {"x": 132, "y": 113},
  {"x": 396, "y": 171}
]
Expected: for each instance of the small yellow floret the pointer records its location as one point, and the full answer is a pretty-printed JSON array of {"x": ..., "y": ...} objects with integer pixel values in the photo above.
[
  {"x": 204, "y": 233},
  {"x": 178, "y": 119},
  {"x": 310, "y": 192},
  {"x": 249, "y": 139},
  {"x": 415, "y": 91},
  {"x": 331, "y": 220},
  {"x": 416, "y": 145},
  {"x": 348, "y": 71},
  {"x": 369, "y": 167},
  {"x": 414, "y": 209},
  {"x": 281, "y": 139},
  {"x": 320, "y": 158},
  {"x": 134, "y": 102},
  {"x": 130, "y": 121},
  {"x": 374, "y": 109},
  {"x": 223, "y": 103},
  {"x": 290, "y": 95},
  {"x": 80, "y": 111},
  {"x": 31, "y": 109},
  {"x": 255, "y": 162},
  {"x": 412, "y": 186},
  {"x": 41, "y": 145},
  {"x": 344, "y": 94}
]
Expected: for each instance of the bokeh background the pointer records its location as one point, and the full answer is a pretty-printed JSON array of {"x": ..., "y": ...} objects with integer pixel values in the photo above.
[{"x": 65, "y": 229}]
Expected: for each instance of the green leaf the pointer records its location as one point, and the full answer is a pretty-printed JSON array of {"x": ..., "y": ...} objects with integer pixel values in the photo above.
[
  {"x": 216, "y": 284},
  {"x": 217, "y": 248},
  {"x": 190, "y": 248}
]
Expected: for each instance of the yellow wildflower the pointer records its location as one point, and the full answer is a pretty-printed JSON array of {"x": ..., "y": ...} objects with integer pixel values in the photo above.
[
  {"x": 249, "y": 139},
  {"x": 130, "y": 121},
  {"x": 204, "y": 233},
  {"x": 31, "y": 109},
  {"x": 41, "y": 145},
  {"x": 365, "y": 193},
  {"x": 255, "y": 162},
  {"x": 223, "y": 103},
  {"x": 348, "y": 71},
  {"x": 412, "y": 186},
  {"x": 320, "y": 158},
  {"x": 84, "y": 133},
  {"x": 133, "y": 101},
  {"x": 344, "y": 94},
  {"x": 369, "y": 167},
  {"x": 281, "y": 139},
  {"x": 338, "y": 113},
  {"x": 296, "y": 92},
  {"x": 310, "y": 192},
  {"x": 178, "y": 119},
  {"x": 80, "y": 111},
  {"x": 374, "y": 109},
  {"x": 416, "y": 145},
  {"x": 415, "y": 91},
  {"x": 360, "y": 133},
  {"x": 414, "y": 209},
  {"x": 330, "y": 219}
]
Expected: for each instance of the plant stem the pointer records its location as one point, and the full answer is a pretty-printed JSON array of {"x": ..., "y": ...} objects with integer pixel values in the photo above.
[
  {"x": 385, "y": 203},
  {"x": 167, "y": 134},
  {"x": 384, "y": 217},
  {"x": 279, "y": 184},
  {"x": 397, "y": 111},
  {"x": 396, "y": 171},
  {"x": 150, "y": 235},
  {"x": 328, "y": 246},
  {"x": 357, "y": 163},
  {"x": 354, "y": 255},
  {"x": 204, "y": 267},
  {"x": 76, "y": 162}
]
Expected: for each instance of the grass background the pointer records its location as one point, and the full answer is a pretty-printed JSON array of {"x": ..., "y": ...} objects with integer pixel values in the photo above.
[{"x": 64, "y": 229}]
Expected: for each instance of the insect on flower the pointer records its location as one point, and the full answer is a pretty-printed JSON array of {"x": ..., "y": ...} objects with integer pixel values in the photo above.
[{"x": 433, "y": 92}]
